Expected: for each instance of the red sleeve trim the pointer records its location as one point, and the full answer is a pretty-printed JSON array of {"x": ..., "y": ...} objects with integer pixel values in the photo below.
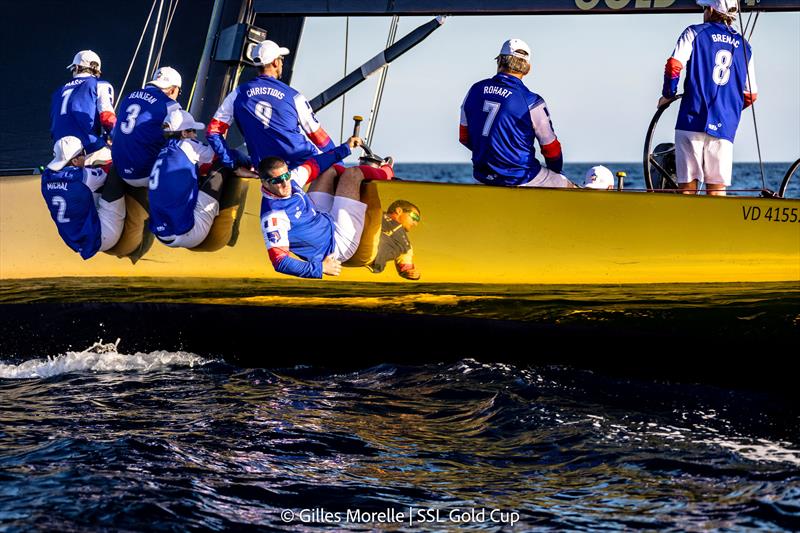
[
  {"x": 749, "y": 98},
  {"x": 673, "y": 68},
  {"x": 217, "y": 127},
  {"x": 320, "y": 138},
  {"x": 108, "y": 119},
  {"x": 463, "y": 135},
  {"x": 276, "y": 255},
  {"x": 339, "y": 169},
  {"x": 313, "y": 170},
  {"x": 552, "y": 150}
]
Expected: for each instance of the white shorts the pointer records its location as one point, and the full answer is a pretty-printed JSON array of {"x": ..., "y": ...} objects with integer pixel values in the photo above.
[
  {"x": 548, "y": 178},
  {"x": 103, "y": 155},
  {"x": 205, "y": 211},
  {"x": 140, "y": 182},
  {"x": 112, "y": 221},
  {"x": 348, "y": 221},
  {"x": 702, "y": 157}
]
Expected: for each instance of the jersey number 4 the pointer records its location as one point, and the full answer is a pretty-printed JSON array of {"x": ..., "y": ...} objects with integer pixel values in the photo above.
[{"x": 492, "y": 108}]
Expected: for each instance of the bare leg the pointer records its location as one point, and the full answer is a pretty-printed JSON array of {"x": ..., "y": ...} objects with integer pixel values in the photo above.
[
  {"x": 325, "y": 182},
  {"x": 688, "y": 188},
  {"x": 715, "y": 189},
  {"x": 350, "y": 184}
]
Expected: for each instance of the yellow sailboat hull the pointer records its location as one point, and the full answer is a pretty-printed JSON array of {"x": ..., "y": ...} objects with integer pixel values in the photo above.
[{"x": 473, "y": 234}]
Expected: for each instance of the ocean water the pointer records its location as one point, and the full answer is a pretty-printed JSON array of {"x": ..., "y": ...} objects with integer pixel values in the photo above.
[
  {"x": 105, "y": 439},
  {"x": 747, "y": 177}
]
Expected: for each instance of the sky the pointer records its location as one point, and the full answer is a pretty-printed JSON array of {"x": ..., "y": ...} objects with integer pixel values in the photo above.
[{"x": 600, "y": 76}]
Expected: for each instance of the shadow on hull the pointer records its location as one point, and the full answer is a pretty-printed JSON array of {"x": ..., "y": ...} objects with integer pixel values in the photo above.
[{"x": 273, "y": 337}]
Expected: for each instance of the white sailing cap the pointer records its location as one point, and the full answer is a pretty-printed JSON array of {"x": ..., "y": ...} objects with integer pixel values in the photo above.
[
  {"x": 165, "y": 78},
  {"x": 726, "y": 7},
  {"x": 84, "y": 58},
  {"x": 64, "y": 150},
  {"x": 598, "y": 177},
  {"x": 517, "y": 48},
  {"x": 268, "y": 51},
  {"x": 180, "y": 120}
]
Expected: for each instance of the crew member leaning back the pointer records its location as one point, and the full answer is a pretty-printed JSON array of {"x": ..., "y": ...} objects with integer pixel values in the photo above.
[
  {"x": 84, "y": 108},
  {"x": 323, "y": 227},
  {"x": 275, "y": 119},
  {"x": 720, "y": 82},
  {"x": 501, "y": 118}
]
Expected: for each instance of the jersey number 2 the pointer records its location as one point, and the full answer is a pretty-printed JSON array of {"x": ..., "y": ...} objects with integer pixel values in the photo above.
[
  {"x": 61, "y": 204},
  {"x": 722, "y": 67},
  {"x": 492, "y": 108}
]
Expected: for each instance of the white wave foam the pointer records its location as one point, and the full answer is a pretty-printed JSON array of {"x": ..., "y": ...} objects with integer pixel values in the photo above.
[{"x": 99, "y": 358}]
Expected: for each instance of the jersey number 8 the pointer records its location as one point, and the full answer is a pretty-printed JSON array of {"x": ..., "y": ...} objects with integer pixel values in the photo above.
[{"x": 722, "y": 67}]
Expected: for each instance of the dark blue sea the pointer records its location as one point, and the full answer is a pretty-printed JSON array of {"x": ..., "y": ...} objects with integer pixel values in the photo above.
[{"x": 107, "y": 440}]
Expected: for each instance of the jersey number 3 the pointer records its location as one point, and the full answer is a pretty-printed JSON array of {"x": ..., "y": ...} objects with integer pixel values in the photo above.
[
  {"x": 722, "y": 67},
  {"x": 133, "y": 111}
]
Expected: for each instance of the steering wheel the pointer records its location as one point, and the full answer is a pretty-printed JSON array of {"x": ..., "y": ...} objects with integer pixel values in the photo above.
[{"x": 655, "y": 158}]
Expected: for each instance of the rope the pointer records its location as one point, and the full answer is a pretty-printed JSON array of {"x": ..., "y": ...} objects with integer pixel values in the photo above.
[
  {"x": 152, "y": 43},
  {"x": 753, "y": 105},
  {"x": 133, "y": 59},
  {"x": 344, "y": 96},
  {"x": 376, "y": 102},
  {"x": 173, "y": 7}
]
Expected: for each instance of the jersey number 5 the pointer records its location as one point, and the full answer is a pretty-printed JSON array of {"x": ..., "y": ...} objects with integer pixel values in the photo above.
[
  {"x": 492, "y": 108},
  {"x": 722, "y": 67},
  {"x": 263, "y": 113},
  {"x": 153, "y": 183}
]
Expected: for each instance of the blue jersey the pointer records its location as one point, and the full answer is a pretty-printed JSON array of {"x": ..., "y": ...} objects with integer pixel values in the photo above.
[
  {"x": 76, "y": 110},
  {"x": 69, "y": 194},
  {"x": 717, "y": 61},
  {"x": 275, "y": 120},
  {"x": 173, "y": 186},
  {"x": 294, "y": 224},
  {"x": 138, "y": 135},
  {"x": 500, "y": 120}
]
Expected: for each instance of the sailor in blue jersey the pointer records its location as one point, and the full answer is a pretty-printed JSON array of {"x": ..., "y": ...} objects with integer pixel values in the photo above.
[
  {"x": 138, "y": 136},
  {"x": 84, "y": 108},
  {"x": 321, "y": 228},
  {"x": 720, "y": 82},
  {"x": 275, "y": 119},
  {"x": 86, "y": 221},
  {"x": 182, "y": 210},
  {"x": 501, "y": 118}
]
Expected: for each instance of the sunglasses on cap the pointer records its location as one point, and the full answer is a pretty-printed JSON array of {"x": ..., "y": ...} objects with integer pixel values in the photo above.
[{"x": 278, "y": 179}]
